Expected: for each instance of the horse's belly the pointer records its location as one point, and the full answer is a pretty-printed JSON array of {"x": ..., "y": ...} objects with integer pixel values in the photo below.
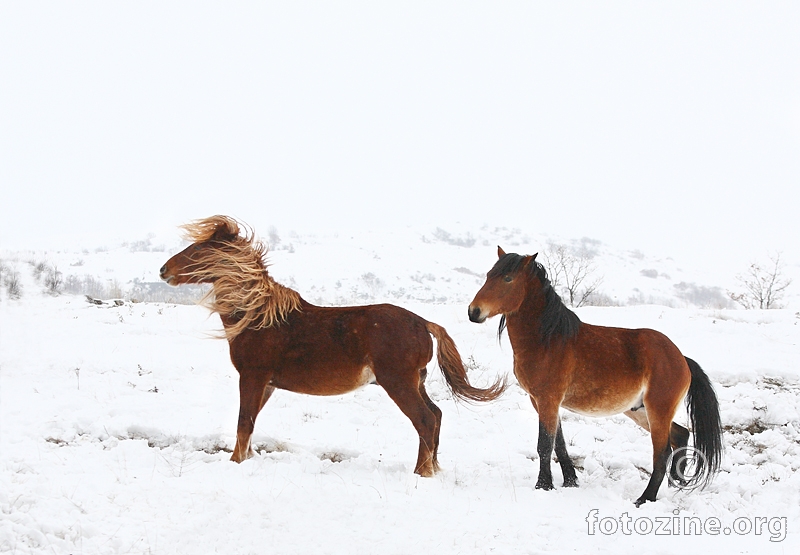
[
  {"x": 606, "y": 404},
  {"x": 320, "y": 381},
  {"x": 587, "y": 398}
]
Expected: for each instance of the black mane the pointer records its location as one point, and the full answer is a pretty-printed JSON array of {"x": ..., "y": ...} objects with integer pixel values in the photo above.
[{"x": 556, "y": 320}]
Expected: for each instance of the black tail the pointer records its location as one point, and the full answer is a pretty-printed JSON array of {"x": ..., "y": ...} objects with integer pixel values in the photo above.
[{"x": 703, "y": 407}]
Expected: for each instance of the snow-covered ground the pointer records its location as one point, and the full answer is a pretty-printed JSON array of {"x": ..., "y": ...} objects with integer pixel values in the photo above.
[{"x": 117, "y": 420}]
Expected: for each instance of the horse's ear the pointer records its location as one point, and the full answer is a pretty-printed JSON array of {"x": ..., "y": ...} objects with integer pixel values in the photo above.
[
  {"x": 529, "y": 260},
  {"x": 226, "y": 230},
  {"x": 500, "y": 252},
  {"x": 222, "y": 233}
]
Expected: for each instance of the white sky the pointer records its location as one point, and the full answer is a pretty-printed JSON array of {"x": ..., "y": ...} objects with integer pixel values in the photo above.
[{"x": 671, "y": 126}]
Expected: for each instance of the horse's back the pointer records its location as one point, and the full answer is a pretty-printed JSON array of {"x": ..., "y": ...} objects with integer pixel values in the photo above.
[
  {"x": 389, "y": 334},
  {"x": 639, "y": 345},
  {"x": 333, "y": 350}
]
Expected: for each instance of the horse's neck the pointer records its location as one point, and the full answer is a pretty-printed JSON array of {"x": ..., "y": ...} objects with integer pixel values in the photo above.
[
  {"x": 280, "y": 303},
  {"x": 228, "y": 320},
  {"x": 525, "y": 325}
]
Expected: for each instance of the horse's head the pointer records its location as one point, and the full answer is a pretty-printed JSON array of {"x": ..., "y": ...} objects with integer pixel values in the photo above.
[
  {"x": 505, "y": 288},
  {"x": 211, "y": 238}
]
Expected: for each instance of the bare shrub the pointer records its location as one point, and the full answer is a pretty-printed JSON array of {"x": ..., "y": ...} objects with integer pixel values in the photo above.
[
  {"x": 115, "y": 289},
  {"x": 571, "y": 272},
  {"x": 53, "y": 280},
  {"x": 39, "y": 268},
  {"x": 88, "y": 285},
  {"x": 11, "y": 281},
  {"x": 764, "y": 285}
]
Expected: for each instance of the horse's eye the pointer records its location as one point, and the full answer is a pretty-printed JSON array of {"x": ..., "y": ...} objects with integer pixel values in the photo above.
[{"x": 508, "y": 279}]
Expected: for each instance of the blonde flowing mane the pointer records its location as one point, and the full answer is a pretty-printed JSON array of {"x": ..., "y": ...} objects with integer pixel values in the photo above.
[{"x": 242, "y": 288}]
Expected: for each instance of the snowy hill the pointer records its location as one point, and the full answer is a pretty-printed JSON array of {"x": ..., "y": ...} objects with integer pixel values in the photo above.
[{"x": 428, "y": 265}]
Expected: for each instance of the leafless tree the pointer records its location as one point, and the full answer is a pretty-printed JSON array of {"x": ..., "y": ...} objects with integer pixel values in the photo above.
[
  {"x": 571, "y": 273},
  {"x": 764, "y": 285}
]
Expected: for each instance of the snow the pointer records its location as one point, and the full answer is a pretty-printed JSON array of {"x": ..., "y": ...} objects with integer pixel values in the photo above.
[{"x": 116, "y": 421}]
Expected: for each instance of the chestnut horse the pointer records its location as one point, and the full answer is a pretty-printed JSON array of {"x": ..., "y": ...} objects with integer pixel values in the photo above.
[
  {"x": 278, "y": 340},
  {"x": 599, "y": 371}
]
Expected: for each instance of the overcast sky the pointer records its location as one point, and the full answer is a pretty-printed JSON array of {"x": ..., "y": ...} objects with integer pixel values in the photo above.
[{"x": 672, "y": 127}]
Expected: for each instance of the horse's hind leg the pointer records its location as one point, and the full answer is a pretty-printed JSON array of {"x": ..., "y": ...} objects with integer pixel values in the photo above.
[
  {"x": 567, "y": 466},
  {"x": 437, "y": 412},
  {"x": 660, "y": 424},
  {"x": 678, "y": 439},
  {"x": 253, "y": 395},
  {"x": 405, "y": 389},
  {"x": 661, "y": 452}
]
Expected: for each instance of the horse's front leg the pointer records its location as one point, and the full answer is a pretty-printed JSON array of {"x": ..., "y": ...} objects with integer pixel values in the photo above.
[
  {"x": 567, "y": 466},
  {"x": 254, "y": 392},
  {"x": 548, "y": 430}
]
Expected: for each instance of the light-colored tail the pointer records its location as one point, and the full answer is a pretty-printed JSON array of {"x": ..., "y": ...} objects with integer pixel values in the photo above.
[{"x": 454, "y": 372}]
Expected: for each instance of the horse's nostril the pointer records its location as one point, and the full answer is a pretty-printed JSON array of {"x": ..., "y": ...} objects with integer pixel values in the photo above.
[
  {"x": 163, "y": 270},
  {"x": 474, "y": 314}
]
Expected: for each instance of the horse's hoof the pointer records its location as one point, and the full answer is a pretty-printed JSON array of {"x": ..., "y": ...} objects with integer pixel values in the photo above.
[
  {"x": 425, "y": 472},
  {"x": 545, "y": 486},
  {"x": 238, "y": 460},
  {"x": 571, "y": 483},
  {"x": 641, "y": 501}
]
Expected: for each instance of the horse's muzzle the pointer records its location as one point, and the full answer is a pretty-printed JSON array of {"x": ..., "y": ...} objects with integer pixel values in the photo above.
[
  {"x": 162, "y": 273},
  {"x": 475, "y": 314}
]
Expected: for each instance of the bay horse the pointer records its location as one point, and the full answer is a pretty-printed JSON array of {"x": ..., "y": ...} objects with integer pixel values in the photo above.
[
  {"x": 599, "y": 371},
  {"x": 278, "y": 340}
]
